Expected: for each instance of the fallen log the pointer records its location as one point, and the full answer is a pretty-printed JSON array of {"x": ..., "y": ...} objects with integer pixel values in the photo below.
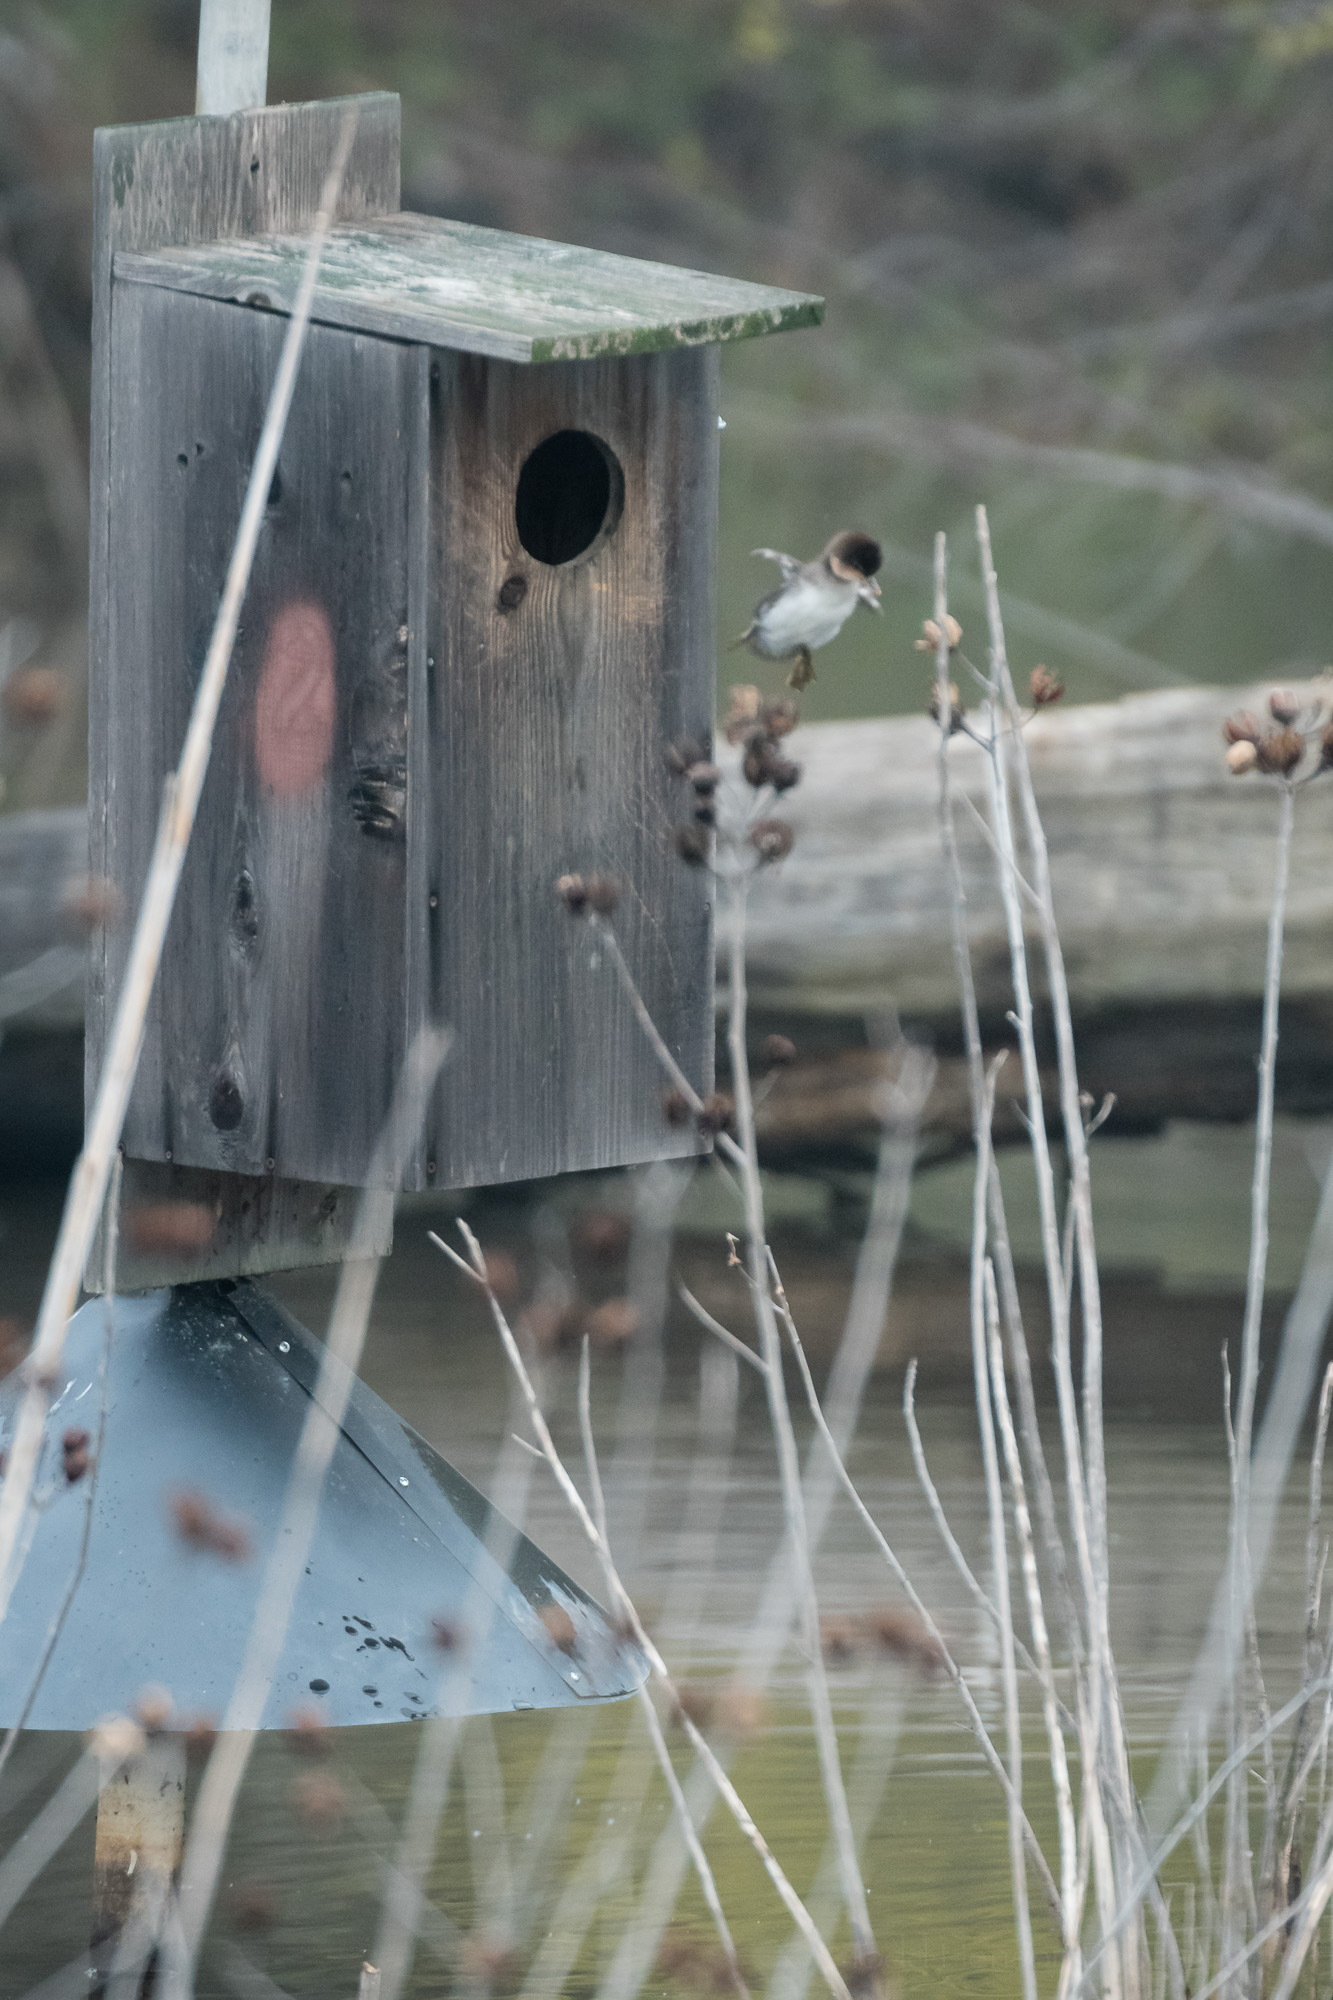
[{"x": 1162, "y": 867}]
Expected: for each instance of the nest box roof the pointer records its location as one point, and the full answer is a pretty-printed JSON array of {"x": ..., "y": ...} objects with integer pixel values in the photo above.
[{"x": 484, "y": 291}]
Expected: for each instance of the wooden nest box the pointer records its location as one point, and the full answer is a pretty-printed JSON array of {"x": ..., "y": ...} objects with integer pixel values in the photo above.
[{"x": 481, "y": 611}]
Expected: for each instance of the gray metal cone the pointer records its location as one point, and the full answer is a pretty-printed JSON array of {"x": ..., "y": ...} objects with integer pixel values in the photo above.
[{"x": 206, "y": 1391}]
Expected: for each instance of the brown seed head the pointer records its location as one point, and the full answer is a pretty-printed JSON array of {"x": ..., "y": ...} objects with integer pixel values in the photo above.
[
  {"x": 612, "y": 1324},
  {"x": 153, "y": 1709},
  {"x": 955, "y": 711},
  {"x": 252, "y": 1906},
  {"x": 92, "y": 901},
  {"x": 560, "y": 1629},
  {"x": 838, "y": 1638},
  {"x": 1043, "y": 687},
  {"x": 198, "y": 1522},
  {"x": 488, "y": 1962},
  {"x": 502, "y": 1276},
  {"x": 779, "y": 717},
  {"x": 676, "y": 1107},
  {"x": 183, "y": 1228},
  {"x": 200, "y": 1738},
  {"x": 573, "y": 893},
  {"x": 743, "y": 708},
  {"x": 683, "y": 756},
  {"x": 1326, "y": 745},
  {"x": 1242, "y": 728},
  {"x": 691, "y": 844},
  {"x": 319, "y": 1798},
  {"x": 776, "y": 1051},
  {"x": 864, "y": 1976},
  {"x": 705, "y": 779},
  {"x": 717, "y": 1113},
  {"x": 74, "y": 1454},
  {"x": 35, "y": 695},
  {"x": 1242, "y": 757},
  {"x": 930, "y": 635},
  {"x": 114, "y": 1739},
  {"x": 903, "y": 1633},
  {"x": 447, "y": 1635},
  {"x": 603, "y": 1235},
  {"x": 1283, "y": 706},
  {"x": 308, "y": 1734},
  {"x": 772, "y": 839},
  {"x": 603, "y": 893},
  {"x": 1280, "y": 750}
]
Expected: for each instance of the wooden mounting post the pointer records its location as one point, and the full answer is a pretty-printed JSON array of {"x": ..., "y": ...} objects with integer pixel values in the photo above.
[{"x": 136, "y": 1860}]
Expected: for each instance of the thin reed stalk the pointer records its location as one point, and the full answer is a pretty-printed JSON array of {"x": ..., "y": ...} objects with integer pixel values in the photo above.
[
  {"x": 92, "y": 1172},
  {"x": 477, "y": 1269}
]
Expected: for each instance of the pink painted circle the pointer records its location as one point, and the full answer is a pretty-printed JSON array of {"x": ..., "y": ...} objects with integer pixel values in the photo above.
[{"x": 297, "y": 701}]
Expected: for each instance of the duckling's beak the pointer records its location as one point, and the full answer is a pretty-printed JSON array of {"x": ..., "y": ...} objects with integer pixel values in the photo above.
[{"x": 868, "y": 592}]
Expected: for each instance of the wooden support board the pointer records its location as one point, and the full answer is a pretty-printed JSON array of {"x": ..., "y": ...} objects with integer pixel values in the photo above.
[{"x": 186, "y": 181}]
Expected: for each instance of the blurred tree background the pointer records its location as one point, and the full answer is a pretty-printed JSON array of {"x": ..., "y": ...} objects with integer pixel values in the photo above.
[{"x": 1078, "y": 259}]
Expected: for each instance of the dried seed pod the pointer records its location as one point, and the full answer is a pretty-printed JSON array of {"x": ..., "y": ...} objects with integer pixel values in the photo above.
[
  {"x": 603, "y": 893},
  {"x": 502, "y": 1276},
  {"x": 838, "y": 1636},
  {"x": 955, "y": 712},
  {"x": 1326, "y": 745},
  {"x": 308, "y": 1734},
  {"x": 153, "y": 1709},
  {"x": 447, "y": 1635},
  {"x": 560, "y": 1629},
  {"x": 776, "y": 1051},
  {"x": 705, "y": 813},
  {"x": 754, "y": 764},
  {"x": 1280, "y": 750},
  {"x": 115, "y": 1739},
  {"x": 603, "y": 1234},
  {"x": 772, "y": 839},
  {"x": 35, "y": 695},
  {"x": 198, "y": 1522},
  {"x": 691, "y": 844},
  {"x": 675, "y": 1107},
  {"x": 1043, "y": 687},
  {"x": 930, "y": 635},
  {"x": 717, "y": 1113},
  {"x": 184, "y": 1228},
  {"x": 319, "y": 1798},
  {"x": 682, "y": 756},
  {"x": 200, "y": 1737},
  {"x": 1283, "y": 706},
  {"x": 1242, "y": 728},
  {"x": 742, "y": 709},
  {"x": 74, "y": 1454},
  {"x": 1242, "y": 757},
  {"x": 903, "y": 1632},
  {"x": 783, "y": 773},
  {"x": 573, "y": 893},
  {"x": 705, "y": 779},
  {"x": 863, "y": 1976},
  {"x": 612, "y": 1324},
  {"x": 779, "y": 717}
]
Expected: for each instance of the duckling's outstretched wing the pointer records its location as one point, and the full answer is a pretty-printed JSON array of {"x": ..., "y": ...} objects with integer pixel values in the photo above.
[{"x": 787, "y": 564}]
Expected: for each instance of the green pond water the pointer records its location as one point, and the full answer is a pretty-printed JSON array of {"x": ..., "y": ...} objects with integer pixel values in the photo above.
[{"x": 697, "y": 1525}]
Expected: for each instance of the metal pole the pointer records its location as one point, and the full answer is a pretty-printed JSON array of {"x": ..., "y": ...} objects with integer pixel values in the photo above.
[
  {"x": 233, "y": 56},
  {"x": 136, "y": 1861}
]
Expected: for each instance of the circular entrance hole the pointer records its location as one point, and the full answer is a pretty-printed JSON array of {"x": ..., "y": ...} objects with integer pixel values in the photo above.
[{"x": 570, "y": 493}]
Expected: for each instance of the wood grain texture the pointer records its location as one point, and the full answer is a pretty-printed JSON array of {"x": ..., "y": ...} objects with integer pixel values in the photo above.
[
  {"x": 276, "y": 1032},
  {"x": 538, "y": 748},
  {"x": 483, "y": 291},
  {"x": 186, "y": 1225},
  {"x": 188, "y": 181}
]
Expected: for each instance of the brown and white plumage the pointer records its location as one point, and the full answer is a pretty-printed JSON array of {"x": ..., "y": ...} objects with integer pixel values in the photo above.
[{"x": 814, "y": 601}]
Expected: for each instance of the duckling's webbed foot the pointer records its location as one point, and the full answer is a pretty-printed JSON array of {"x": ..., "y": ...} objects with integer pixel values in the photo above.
[{"x": 803, "y": 669}]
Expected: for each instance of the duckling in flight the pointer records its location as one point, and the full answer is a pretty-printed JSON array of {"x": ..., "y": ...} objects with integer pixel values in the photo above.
[{"x": 813, "y": 602}]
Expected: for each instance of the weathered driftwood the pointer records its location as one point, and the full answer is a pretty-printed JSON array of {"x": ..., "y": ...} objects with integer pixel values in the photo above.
[{"x": 1162, "y": 867}]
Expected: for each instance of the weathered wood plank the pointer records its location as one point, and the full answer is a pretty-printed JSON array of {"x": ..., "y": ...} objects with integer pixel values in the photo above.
[
  {"x": 179, "y": 1224},
  {"x": 1162, "y": 865},
  {"x": 483, "y": 291},
  {"x": 180, "y": 182},
  {"x": 538, "y": 748},
  {"x": 276, "y": 1032}
]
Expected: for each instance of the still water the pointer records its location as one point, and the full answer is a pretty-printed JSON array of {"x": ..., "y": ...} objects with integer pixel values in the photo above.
[{"x": 552, "y": 1826}]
